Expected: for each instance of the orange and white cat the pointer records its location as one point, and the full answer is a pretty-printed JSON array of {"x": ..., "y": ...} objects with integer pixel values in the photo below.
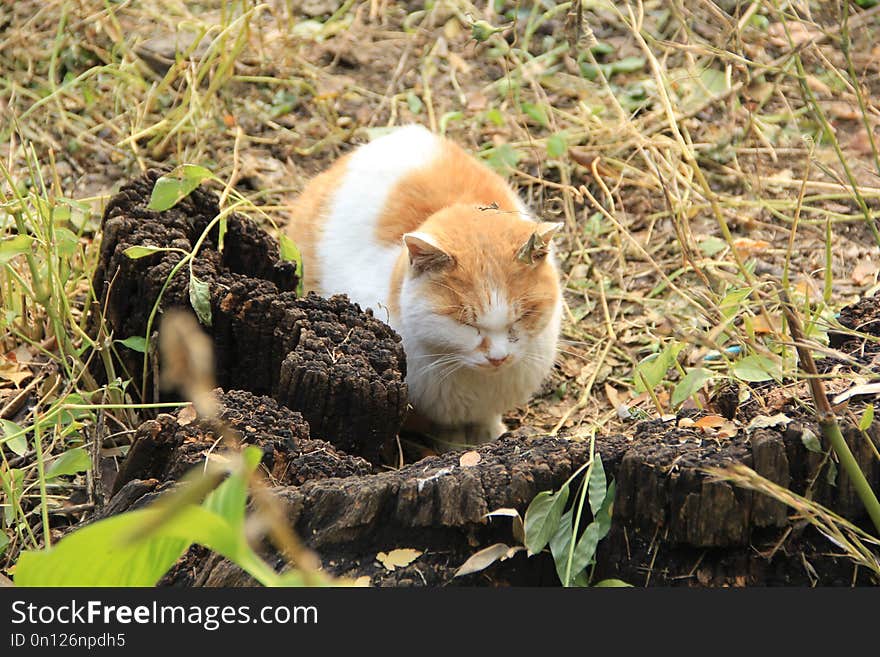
[{"x": 438, "y": 244}]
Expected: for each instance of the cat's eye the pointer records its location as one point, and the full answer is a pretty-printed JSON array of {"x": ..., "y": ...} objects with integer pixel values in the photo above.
[{"x": 511, "y": 335}]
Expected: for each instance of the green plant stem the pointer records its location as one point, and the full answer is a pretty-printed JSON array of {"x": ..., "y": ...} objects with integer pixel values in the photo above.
[
  {"x": 41, "y": 474},
  {"x": 827, "y": 420},
  {"x": 577, "y": 520}
]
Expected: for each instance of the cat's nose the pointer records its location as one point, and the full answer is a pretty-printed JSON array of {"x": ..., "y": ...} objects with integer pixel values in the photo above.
[{"x": 497, "y": 362}]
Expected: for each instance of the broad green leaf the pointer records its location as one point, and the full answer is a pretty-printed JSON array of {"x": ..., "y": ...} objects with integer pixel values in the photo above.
[
  {"x": 65, "y": 241},
  {"x": 867, "y": 418},
  {"x": 756, "y": 368},
  {"x": 557, "y": 145},
  {"x": 291, "y": 253},
  {"x": 13, "y": 246},
  {"x": 100, "y": 554},
  {"x": 542, "y": 518},
  {"x": 135, "y": 343},
  {"x": 561, "y": 541},
  {"x": 608, "y": 583},
  {"x": 200, "y": 298},
  {"x": 597, "y": 485},
  {"x": 4, "y": 541},
  {"x": 692, "y": 382},
  {"x": 135, "y": 252},
  {"x": 585, "y": 548},
  {"x": 652, "y": 369},
  {"x": 229, "y": 500},
  {"x": 70, "y": 462},
  {"x": 18, "y": 444},
  {"x": 172, "y": 188},
  {"x": 732, "y": 302}
]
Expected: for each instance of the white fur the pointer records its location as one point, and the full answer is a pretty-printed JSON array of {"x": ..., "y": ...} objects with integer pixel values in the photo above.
[
  {"x": 451, "y": 382},
  {"x": 350, "y": 259}
]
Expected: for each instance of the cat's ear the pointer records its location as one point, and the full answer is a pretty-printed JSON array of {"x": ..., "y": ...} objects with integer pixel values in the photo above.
[
  {"x": 424, "y": 252},
  {"x": 537, "y": 246}
]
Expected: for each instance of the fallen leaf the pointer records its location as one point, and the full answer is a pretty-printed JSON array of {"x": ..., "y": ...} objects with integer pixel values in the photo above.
[
  {"x": 186, "y": 415},
  {"x": 469, "y": 459},
  {"x": 486, "y": 557},
  {"x": 363, "y": 580},
  {"x": 746, "y": 246},
  {"x": 398, "y": 558},
  {"x": 686, "y": 423},
  {"x": 865, "y": 272},
  {"x": 766, "y": 421},
  {"x": 519, "y": 531},
  {"x": 727, "y": 430},
  {"x": 710, "y": 422},
  {"x": 855, "y": 391}
]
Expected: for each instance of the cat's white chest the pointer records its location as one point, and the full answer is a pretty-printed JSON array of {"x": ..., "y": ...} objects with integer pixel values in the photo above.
[{"x": 352, "y": 260}]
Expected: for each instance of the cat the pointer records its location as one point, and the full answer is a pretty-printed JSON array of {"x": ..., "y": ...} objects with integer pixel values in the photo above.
[{"x": 443, "y": 249}]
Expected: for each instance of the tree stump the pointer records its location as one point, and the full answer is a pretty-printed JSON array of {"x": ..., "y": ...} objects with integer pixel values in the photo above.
[{"x": 325, "y": 392}]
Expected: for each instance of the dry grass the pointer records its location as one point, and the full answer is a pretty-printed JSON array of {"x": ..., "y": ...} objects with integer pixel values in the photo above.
[{"x": 701, "y": 155}]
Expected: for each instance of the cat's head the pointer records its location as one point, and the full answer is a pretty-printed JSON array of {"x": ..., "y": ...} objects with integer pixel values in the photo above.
[{"x": 481, "y": 287}]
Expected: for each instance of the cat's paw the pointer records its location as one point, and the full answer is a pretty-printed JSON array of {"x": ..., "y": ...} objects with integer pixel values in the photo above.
[{"x": 479, "y": 434}]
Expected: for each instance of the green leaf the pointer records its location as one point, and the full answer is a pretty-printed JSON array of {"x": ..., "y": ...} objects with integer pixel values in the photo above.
[
  {"x": 414, "y": 103},
  {"x": 536, "y": 112},
  {"x": 597, "y": 485},
  {"x": 692, "y": 382},
  {"x": 867, "y": 418},
  {"x": 732, "y": 302},
  {"x": 4, "y": 541},
  {"x": 135, "y": 252},
  {"x": 607, "y": 583},
  {"x": 200, "y": 299},
  {"x": 712, "y": 245},
  {"x": 172, "y": 188},
  {"x": 13, "y": 246},
  {"x": 504, "y": 159},
  {"x": 100, "y": 554},
  {"x": 70, "y": 462},
  {"x": 495, "y": 116},
  {"x": 104, "y": 554},
  {"x": 12, "y": 483},
  {"x": 291, "y": 253},
  {"x": 542, "y": 518},
  {"x": 229, "y": 500},
  {"x": 135, "y": 343},
  {"x": 585, "y": 548},
  {"x": 831, "y": 473},
  {"x": 652, "y": 369},
  {"x": 628, "y": 65},
  {"x": 557, "y": 145},
  {"x": 756, "y": 368},
  {"x": 17, "y": 444},
  {"x": 561, "y": 541},
  {"x": 65, "y": 241},
  {"x": 811, "y": 441}
]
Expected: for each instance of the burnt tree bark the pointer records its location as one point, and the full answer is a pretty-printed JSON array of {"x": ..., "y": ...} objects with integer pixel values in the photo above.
[{"x": 341, "y": 368}]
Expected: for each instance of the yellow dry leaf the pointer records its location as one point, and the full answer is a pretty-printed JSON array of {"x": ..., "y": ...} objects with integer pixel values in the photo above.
[
  {"x": 746, "y": 246},
  {"x": 186, "y": 415},
  {"x": 398, "y": 558},
  {"x": 710, "y": 422}
]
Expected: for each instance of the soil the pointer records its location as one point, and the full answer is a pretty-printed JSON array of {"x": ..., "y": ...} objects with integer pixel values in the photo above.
[{"x": 325, "y": 425}]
